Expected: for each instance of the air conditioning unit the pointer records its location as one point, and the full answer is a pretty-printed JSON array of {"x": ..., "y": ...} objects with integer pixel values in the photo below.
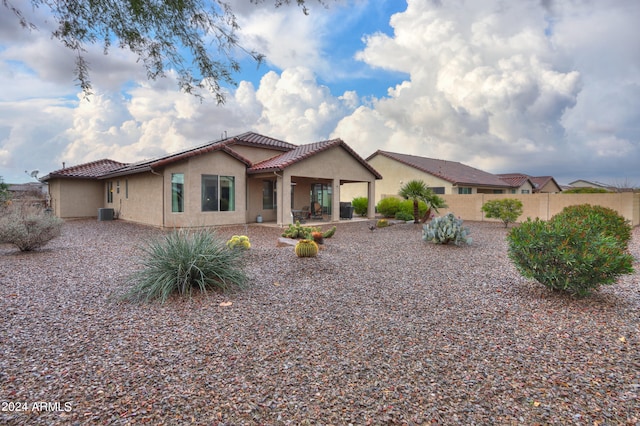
[{"x": 105, "y": 214}]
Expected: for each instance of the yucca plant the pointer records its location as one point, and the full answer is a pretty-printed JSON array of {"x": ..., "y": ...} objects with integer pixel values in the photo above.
[{"x": 182, "y": 261}]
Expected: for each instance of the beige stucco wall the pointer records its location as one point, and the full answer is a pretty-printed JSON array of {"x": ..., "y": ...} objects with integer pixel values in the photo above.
[
  {"x": 76, "y": 198},
  {"x": 213, "y": 163},
  {"x": 142, "y": 202},
  {"x": 544, "y": 206}
]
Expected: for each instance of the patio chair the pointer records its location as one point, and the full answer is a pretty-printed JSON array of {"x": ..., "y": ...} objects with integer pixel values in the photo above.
[{"x": 316, "y": 211}]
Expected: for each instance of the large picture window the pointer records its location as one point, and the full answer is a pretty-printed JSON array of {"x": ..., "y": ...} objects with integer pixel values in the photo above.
[
  {"x": 177, "y": 192},
  {"x": 269, "y": 195},
  {"x": 218, "y": 193}
]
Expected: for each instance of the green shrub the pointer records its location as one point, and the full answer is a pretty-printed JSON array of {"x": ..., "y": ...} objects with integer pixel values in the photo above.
[
  {"x": 402, "y": 215},
  {"x": 28, "y": 227},
  {"x": 564, "y": 255},
  {"x": 585, "y": 190},
  {"x": 507, "y": 210},
  {"x": 360, "y": 205},
  {"x": 406, "y": 206},
  {"x": 388, "y": 207},
  {"x": 182, "y": 261},
  {"x": 446, "y": 229},
  {"x": 597, "y": 218}
]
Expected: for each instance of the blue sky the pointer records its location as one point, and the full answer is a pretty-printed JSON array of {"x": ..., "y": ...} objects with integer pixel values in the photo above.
[{"x": 543, "y": 88}]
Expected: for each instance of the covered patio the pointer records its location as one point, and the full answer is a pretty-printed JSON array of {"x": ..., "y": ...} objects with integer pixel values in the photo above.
[{"x": 305, "y": 184}]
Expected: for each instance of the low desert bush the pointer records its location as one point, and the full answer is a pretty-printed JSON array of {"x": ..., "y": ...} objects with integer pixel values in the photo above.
[
  {"x": 597, "y": 218},
  {"x": 576, "y": 251},
  {"x": 360, "y": 205},
  {"x": 508, "y": 210},
  {"x": 402, "y": 215},
  {"x": 406, "y": 207},
  {"x": 389, "y": 206},
  {"x": 446, "y": 229},
  {"x": 28, "y": 227},
  {"x": 182, "y": 261}
]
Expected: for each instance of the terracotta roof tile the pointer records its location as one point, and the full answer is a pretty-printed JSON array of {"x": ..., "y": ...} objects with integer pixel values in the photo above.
[
  {"x": 303, "y": 152},
  {"x": 514, "y": 179},
  {"x": 92, "y": 170},
  {"x": 451, "y": 171}
]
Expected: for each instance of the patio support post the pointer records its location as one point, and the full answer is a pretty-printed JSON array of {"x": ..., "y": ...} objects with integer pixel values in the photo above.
[
  {"x": 284, "y": 199},
  {"x": 335, "y": 201},
  {"x": 371, "y": 196}
]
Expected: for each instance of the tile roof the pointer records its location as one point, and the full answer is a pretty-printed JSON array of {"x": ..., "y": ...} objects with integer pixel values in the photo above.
[
  {"x": 451, "y": 171},
  {"x": 105, "y": 169},
  {"x": 303, "y": 152},
  {"x": 92, "y": 170},
  {"x": 224, "y": 145},
  {"x": 515, "y": 179}
]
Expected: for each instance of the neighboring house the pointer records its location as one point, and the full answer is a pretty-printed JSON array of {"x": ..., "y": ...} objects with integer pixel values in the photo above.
[
  {"x": 525, "y": 184},
  {"x": 28, "y": 190},
  {"x": 581, "y": 183},
  {"x": 231, "y": 181},
  {"x": 442, "y": 176}
]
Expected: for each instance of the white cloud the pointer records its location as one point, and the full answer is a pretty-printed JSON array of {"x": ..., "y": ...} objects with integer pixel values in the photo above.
[{"x": 542, "y": 88}]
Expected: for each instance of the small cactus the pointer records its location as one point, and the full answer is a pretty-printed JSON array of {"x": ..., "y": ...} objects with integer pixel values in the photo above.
[
  {"x": 382, "y": 223},
  {"x": 329, "y": 233},
  {"x": 306, "y": 248},
  {"x": 239, "y": 242}
]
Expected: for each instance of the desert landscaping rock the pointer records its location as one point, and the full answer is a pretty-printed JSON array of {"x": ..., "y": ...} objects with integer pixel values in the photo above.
[{"x": 379, "y": 328}]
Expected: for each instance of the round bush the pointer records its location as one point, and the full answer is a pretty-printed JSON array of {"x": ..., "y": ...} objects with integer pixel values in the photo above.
[
  {"x": 565, "y": 256},
  {"x": 598, "y": 219},
  {"x": 402, "y": 215},
  {"x": 406, "y": 206},
  {"x": 28, "y": 227},
  {"x": 388, "y": 207},
  {"x": 360, "y": 205}
]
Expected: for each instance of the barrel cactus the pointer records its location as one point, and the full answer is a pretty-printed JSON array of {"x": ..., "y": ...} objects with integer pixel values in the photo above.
[
  {"x": 306, "y": 248},
  {"x": 446, "y": 229},
  {"x": 239, "y": 242}
]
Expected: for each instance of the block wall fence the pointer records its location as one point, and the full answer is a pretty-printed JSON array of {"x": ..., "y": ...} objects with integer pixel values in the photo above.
[{"x": 543, "y": 206}]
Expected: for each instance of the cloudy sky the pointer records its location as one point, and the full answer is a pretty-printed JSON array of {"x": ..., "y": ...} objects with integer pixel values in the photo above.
[{"x": 543, "y": 87}]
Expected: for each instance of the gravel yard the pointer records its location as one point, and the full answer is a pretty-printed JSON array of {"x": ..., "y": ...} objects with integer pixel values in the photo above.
[{"x": 380, "y": 328}]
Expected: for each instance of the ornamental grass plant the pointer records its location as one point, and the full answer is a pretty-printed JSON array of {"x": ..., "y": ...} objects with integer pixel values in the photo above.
[{"x": 183, "y": 261}]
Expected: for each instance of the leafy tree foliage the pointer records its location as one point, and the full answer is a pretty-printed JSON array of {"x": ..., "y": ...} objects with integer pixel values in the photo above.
[
  {"x": 508, "y": 210},
  {"x": 195, "y": 37}
]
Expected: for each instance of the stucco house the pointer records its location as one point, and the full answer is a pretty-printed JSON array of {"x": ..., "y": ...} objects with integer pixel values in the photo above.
[
  {"x": 230, "y": 181},
  {"x": 525, "y": 184},
  {"x": 442, "y": 176}
]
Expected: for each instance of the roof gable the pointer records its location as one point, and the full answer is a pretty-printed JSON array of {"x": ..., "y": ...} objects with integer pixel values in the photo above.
[
  {"x": 302, "y": 152},
  {"x": 451, "y": 171}
]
